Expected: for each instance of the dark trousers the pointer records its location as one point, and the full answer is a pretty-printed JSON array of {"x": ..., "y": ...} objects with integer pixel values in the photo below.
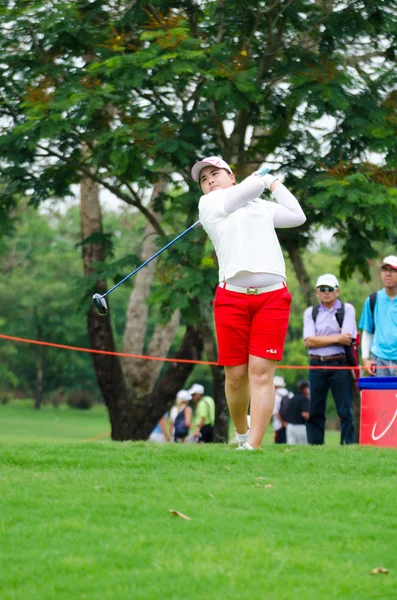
[
  {"x": 340, "y": 383},
  {"x": 280, "y": 436},
  {"x": 207, "y": 434}
]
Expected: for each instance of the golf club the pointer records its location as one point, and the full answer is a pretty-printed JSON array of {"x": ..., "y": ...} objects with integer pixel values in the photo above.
[{"x": 99, "y": 300}]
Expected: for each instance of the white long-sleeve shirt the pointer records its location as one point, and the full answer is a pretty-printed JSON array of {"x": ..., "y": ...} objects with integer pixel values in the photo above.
[{"x": 241, "y": 227}]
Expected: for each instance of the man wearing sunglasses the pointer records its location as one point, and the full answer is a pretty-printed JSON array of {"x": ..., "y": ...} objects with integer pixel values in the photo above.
[
  {"x": 379, "y": 324},
  {"x": 326, "y": 341}
]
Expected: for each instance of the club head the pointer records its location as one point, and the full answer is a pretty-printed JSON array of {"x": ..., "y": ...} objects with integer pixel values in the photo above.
[{"x": 100, "y": 304}]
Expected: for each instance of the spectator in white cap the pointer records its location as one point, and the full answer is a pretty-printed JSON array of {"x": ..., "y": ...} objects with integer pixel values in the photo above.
[
  {"x": 181, "y": 416},
  {"x": 279, "y": 426},
  {"x": 328, "y": 328},
  {"x": 379, "y": 324},
  {"x": 204, "y": 415},
  {"x": 252, "y": 301}
]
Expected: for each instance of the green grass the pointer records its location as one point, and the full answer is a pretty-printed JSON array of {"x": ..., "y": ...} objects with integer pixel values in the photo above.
[
  {"x": 91, "y": 520},
  {"x": 20, "y": 423}
]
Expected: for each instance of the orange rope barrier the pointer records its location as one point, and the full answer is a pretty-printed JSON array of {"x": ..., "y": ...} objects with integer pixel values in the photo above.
[
  {"x": 163, "y": 359},
  {"x": 106, "y": 352}
]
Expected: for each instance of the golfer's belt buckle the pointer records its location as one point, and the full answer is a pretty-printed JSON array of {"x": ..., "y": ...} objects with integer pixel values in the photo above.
[{"x": 253, "y": 291}]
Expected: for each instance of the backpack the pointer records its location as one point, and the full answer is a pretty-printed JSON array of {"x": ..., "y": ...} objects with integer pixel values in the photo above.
[
  {"x": 340, "y": 313},
  {"x": 372, "y": 302},
  {"x": 352, "y": 350},
  {"x": 180, "y": 428},
  {"x": 284, "y": 405}
]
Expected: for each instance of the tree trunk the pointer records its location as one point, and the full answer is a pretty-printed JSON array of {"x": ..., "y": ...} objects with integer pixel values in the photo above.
[
  {"x": 302, "y": 275},
  {"x": 142, "y": 374},
  {"x": 153, "y": 406},
  {"x": 107, "y": 368}
]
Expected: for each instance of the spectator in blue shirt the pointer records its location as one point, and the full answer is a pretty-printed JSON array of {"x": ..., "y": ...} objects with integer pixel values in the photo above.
[
  {"x": 326, "y": 341},
  {"x": 160, "y": 433},
  {"x": 379, "y": 324}
]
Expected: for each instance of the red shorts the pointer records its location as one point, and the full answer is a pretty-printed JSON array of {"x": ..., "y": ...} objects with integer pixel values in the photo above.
[{"x": 248, "y": 324}]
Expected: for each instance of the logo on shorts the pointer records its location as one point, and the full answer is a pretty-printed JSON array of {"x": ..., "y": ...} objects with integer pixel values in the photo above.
[{"x": 271, "y": 351}]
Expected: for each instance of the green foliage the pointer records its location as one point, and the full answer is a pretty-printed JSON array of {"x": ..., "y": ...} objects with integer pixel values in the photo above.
[
  {"x": 103, "y": 239},
  {"x": 183, "y": 276},
  {"x": 42, "y": 292},
  {"x": 347, "y": 204},
  {"x": 37, "y": 299}
]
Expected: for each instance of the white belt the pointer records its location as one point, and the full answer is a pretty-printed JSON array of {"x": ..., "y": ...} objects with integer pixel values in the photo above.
[{"x": 252, "y": 290}]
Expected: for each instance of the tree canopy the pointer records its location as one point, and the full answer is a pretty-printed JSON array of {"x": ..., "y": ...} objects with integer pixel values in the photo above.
[{"x": 308, "y": 87}]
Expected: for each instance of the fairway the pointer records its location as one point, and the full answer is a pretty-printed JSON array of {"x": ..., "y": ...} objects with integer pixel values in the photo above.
[
  {"x": 19, "y": 423},
  {"x": 91, "y": 520}
]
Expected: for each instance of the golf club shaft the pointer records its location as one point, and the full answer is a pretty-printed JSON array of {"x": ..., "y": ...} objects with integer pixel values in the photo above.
[{"x": 151, "y": 258}]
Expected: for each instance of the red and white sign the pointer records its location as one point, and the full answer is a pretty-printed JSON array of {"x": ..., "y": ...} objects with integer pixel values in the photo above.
[{"x": 378, "y": 423}]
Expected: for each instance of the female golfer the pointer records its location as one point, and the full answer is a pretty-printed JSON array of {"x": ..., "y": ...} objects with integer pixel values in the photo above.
[{"x": 252, "y": 301}]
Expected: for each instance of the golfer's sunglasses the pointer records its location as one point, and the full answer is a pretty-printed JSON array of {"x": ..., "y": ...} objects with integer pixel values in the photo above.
[{"x": 326, "y": 289}]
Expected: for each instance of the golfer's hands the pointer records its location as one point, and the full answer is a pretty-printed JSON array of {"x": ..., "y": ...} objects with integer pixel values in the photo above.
[
  {"x": 345, "y": 339},
  {"x": 369, "y": 367},
  {"x": 265, "y": 176}
]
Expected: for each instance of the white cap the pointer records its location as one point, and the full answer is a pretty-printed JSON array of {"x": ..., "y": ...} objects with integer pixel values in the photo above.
[
  {"x": 391, "y": 261},
  {"x": 279, "y": 381},
  {"x": 327, "y": 279},
  {"x": 183, "y": 396},
  {"x": 196, "y": 389},
  {"x": 215, "y": 161}
]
